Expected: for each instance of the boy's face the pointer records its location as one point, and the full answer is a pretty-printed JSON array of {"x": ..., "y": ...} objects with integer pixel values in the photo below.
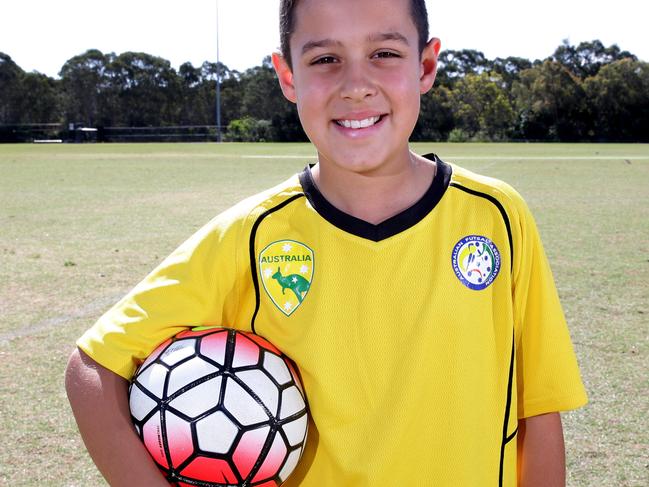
[{"x": 357, "y": 78}]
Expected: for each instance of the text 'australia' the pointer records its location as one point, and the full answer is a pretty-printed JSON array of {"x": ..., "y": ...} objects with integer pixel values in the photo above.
[{"x": 272, "y": 259}]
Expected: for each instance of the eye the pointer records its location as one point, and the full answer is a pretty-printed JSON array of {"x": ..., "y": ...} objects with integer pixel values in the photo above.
[
  {"x": 386, "y": 55},
  {"x": 324, "y": 60}
]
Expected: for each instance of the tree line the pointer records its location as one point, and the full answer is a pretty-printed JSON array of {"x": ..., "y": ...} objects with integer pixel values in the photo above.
[{"x": 587, "y": 92}]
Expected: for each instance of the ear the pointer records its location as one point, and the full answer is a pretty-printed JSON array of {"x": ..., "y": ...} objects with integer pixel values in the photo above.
[
  {"x": 428, "y": 64},
  {"x": 285, "y": 76}
]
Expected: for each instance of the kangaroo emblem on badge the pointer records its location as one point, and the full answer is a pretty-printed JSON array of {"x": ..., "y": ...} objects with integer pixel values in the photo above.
[
  {"x": 286, "y": 264},
  {"x": 294, "y": 282}
]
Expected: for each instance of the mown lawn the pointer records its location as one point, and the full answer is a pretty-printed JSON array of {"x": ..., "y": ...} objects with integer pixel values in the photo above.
[{"x": 81, "y": 224}]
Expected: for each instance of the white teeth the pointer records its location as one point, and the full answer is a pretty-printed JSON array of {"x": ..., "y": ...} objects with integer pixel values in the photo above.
[{"x": 358, "y": 124}]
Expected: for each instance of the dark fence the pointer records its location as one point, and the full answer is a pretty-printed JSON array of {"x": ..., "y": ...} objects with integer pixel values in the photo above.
[
  {"x": 181, "y": 133},
  {"x": 32, "y": 132},
  {"x": 56, "y": 132}
]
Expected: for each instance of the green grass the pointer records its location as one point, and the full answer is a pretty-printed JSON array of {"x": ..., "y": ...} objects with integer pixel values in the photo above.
[{"x": 81, "y": 224}]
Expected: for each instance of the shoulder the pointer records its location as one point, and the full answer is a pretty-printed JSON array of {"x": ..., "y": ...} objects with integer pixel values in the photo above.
[
  {"x": 476, "y": 192},
  {"x": 524, "y": 239},
  {"x": 498, "y": 192}
]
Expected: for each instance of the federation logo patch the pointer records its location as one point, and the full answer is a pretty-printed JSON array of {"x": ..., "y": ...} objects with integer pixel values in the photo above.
[
  {"x": 286, "y": 268},
  {"x": 476, "y": 261}
]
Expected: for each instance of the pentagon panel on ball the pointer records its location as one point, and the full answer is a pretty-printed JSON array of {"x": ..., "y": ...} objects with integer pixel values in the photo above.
[{"x": 219, "y": 407}]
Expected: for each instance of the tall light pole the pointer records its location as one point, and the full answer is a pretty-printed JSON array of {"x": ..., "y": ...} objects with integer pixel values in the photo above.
[{"x": 218, "y": 79}]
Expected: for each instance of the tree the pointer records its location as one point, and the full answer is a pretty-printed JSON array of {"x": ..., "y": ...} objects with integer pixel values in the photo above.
[
  {"x": 550, "y": 103},
  {"x": 190, "y": 75},
  {"x": 203, "y": 106},
  {"x": 11, "y": 76},
  {"x": 509, "y": 69},
  {"x": 85, "y": 83},
  {"x": 453, "y": 65},
  {"x": 619, "y": 101},
  {"x": 262, "y": 99},
  {"x": 436, "y": 119},
  {"x": 145, "y": 89},
  {"x": 481, "y": 106},
  {"x": 262, "y": 96},
  {"x": 249, "y": 129},
  {"x": 39, "y": 99},
  {"x": 583, "y": 92},
  {"x": 27, "y": 97},
  {"x": 587, "y": 58}
]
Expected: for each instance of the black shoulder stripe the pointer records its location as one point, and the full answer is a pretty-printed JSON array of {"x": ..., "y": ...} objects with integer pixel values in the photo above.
[
  {"x": 501, "y": 208},
  {"x": 251, "y": 246},
  {"x": 510, "y": 379}
]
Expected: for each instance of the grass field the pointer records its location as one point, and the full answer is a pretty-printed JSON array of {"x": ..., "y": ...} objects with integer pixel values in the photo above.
[{"x": 81, "y": 224}]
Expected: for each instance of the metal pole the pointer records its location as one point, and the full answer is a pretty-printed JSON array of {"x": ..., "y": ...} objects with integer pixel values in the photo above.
[{"x": 218, "y": 79}]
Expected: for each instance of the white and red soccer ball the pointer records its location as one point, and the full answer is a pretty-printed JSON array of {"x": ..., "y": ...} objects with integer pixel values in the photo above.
[{"x": 219, "y": 407}]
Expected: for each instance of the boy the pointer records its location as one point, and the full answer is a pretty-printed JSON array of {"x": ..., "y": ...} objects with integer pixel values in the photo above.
[{"x": 427, "y": 328}]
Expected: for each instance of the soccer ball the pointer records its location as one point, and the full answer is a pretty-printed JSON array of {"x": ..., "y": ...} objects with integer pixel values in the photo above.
[{"x": 220, "y": 407}]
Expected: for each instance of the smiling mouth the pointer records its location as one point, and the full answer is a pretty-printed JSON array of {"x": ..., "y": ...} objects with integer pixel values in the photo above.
[{"x": 359, "y": 124}]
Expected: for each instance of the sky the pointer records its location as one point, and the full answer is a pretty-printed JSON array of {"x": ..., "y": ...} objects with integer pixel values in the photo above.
[{"x": 40, "y": 35}]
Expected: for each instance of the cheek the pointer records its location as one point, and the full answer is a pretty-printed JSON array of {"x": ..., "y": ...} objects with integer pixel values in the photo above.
[
  {"x": 404, "y": 93},
  {"x": 312, "y": 97},
  {"x": 310, "y": 111},
  {"x": 401, "y": 84}
]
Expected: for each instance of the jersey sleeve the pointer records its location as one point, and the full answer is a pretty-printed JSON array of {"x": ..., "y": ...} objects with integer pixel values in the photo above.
[
  {"x": 547, "y": 373},
  {"x": 194, "y": 286}
]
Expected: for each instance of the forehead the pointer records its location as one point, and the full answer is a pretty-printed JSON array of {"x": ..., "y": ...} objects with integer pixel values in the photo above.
[{"x": 351, "y": 18}]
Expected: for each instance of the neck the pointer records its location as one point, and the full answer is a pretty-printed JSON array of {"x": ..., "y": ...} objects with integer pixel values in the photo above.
[{"x": 375, "y": 196}]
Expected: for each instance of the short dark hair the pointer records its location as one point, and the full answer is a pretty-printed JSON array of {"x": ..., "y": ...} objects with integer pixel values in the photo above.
[{"x": 287, "y": 24}]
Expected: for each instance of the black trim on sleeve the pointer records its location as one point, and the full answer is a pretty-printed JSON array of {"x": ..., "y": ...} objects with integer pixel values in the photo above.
[
  {"x": 512, "y": 436},
  {"x": 502, "y": 212},
  {"x": 390, "y": 227},
  {"x": 508, "y": 406},
  {"x": 253, "y": 259}
]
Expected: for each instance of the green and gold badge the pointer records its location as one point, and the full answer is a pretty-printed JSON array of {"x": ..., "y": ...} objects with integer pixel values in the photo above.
[{"x": 286, "y": 268}]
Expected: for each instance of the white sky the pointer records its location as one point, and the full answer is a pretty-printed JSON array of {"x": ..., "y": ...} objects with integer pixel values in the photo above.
[{"x": 40, "y": 35}]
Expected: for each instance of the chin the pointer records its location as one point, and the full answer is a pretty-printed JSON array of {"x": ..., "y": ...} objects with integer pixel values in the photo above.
[
  {"x": 361, "y": 165},
  {"x": 365, "y": 157}
]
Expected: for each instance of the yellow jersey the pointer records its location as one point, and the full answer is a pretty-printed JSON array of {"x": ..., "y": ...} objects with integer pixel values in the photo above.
[{"x": 421, "y": 340}]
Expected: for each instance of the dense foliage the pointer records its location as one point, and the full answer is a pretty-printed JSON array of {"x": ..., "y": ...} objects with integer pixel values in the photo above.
[{"x": 587, "y": 92}]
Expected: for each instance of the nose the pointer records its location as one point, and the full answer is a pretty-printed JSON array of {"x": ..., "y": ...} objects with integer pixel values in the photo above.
[{"x": 357, "y": 83}]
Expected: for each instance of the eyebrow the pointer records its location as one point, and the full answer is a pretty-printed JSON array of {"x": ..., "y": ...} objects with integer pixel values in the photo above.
[
  {"x": 388, "y": 36},
  {"x": 321, "y": 43},
  {"x": 378, "y": 37}
]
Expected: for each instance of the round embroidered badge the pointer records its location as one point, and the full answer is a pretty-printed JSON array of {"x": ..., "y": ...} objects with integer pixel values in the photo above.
[{"x": 476, "y": 261}]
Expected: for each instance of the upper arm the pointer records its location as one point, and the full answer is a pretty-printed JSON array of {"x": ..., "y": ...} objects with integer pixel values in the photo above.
[
  {"x": 99, "y": 400},
  {"x": 541, "y": 452}
]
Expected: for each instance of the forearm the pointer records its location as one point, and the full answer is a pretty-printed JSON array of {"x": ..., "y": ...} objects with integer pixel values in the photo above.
[
  {"x": 541, "y": 452},
  {"x": 99, "y": 401}
]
